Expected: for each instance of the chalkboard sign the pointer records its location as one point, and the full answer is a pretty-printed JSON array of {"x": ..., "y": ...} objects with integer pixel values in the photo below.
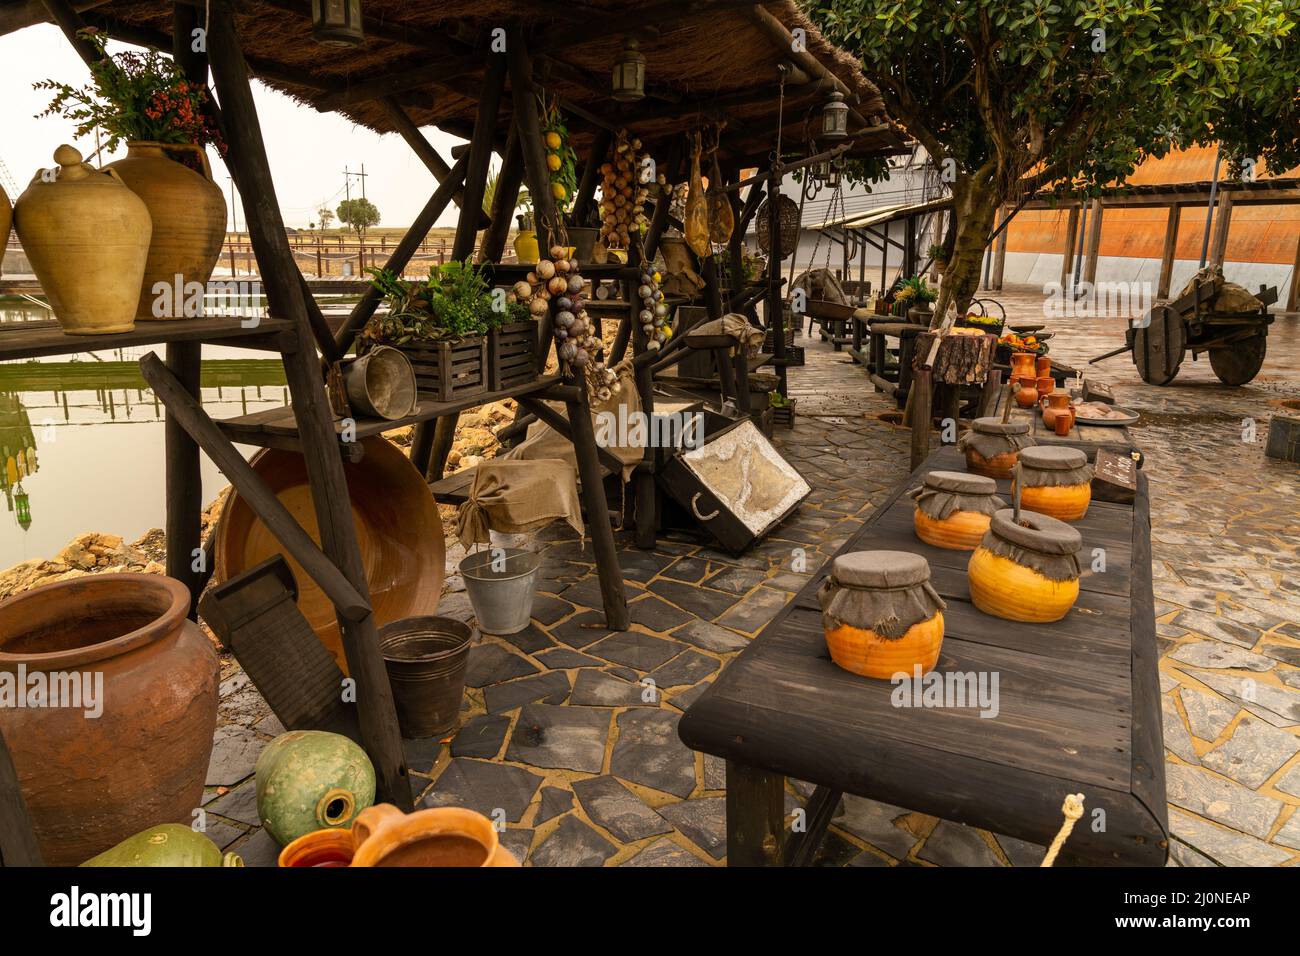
[{"x": 1114, "y": 477}]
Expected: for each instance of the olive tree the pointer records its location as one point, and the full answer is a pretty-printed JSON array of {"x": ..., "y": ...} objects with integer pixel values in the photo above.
[{"x": 1016, "y": 97}]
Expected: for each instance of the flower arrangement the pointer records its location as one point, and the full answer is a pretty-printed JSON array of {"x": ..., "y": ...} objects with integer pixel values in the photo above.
[
  {"x": 916, "y": 290},
  {"x": 136, "y": 97},
  {"x": 454, "y": 302}
]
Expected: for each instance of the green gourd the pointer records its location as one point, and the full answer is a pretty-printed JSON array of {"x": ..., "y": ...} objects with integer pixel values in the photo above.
[
  {"x": 171, "y": 844},
  {"x": 310, "y": 780}
]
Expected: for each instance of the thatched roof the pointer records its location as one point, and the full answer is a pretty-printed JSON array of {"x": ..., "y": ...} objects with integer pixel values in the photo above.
[{"x": 705, "y": 60}]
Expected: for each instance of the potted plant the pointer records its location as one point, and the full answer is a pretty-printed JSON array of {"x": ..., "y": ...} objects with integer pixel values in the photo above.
[
  {"x": 938, "y": 258},
  {"x": 145, "y": 100},
  {"x": 919, "y": 296},
  {"x": 441, "y": 324}
]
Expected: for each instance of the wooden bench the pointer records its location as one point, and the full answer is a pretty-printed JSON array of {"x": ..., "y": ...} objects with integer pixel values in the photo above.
[{"x": 1078, "y": 709}]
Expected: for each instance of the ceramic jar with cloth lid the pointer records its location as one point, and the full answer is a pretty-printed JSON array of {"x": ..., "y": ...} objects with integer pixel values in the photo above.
[
  {"x": 953, "y": 509},
  {"x": 991, "y": 446},
  {"x": 1026, "y": 570},
  {"x": 881, "y": 614},
  {"x": 1054, "y": 480}
]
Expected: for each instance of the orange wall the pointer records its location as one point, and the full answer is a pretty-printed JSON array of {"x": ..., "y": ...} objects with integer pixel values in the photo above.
[{"x": 1265, "y": 234}]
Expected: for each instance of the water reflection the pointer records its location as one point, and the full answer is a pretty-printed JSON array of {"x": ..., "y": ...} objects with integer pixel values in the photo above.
[{"x": 62, "y": 477}]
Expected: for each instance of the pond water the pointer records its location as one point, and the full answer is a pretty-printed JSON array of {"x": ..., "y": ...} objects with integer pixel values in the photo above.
[{"x": 82, "y": 437}]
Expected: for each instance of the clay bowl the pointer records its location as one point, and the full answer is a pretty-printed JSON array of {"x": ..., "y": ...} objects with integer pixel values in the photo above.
[{"x": 398, "y": 529}]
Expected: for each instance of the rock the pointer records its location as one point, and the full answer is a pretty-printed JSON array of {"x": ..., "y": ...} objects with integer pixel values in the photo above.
[
  {"x": 1253, "y": 753},
  {"x": 1221, "y": 800}
]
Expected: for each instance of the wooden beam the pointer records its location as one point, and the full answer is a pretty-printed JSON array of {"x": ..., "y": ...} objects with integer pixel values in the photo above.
[
  {"x": 524, "y": 98},
  {"x": 409, "y": 131},
  {"x": 504, "y": 200},
  {"x": 591, "y": 175},
  {"x": 1293, "y": 297},
  {"x": 19, "y": 16},
  {"x": 1092, "y": 246},
  {"x": 755, "y": 816},
  {"x": 1222, "y": 224},
  {"x": 1071, "y": 231},
  {"x": 999, "y": 254},
  {"x": 329, "y": 490},
  {"x": 1170, "y": 250},
  {"x": 69, "y": 21},
  {"x": 387, "y": 83}
]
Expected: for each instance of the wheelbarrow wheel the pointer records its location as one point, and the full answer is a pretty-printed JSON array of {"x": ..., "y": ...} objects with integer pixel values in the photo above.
[
  {"x": 1240, "y": 362},
  {"x": 1159, "y": 346}
]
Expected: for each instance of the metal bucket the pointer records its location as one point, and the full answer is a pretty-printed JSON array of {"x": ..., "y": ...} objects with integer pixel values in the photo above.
[
  {"x": 501, "y": 583},
  {"x": 426, "y": 658},
  {"x": 381, "y": 384}
]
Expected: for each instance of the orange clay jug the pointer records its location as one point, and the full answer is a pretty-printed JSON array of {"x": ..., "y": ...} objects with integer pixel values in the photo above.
[{"x": 383, "y": 835}]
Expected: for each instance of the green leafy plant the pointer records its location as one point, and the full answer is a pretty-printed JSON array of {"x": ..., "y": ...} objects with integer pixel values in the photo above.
[
  {"x": 136, "y": 97},
  {"x": 454, "y": 302},
  {"x": 916, "y": 289},
  {"x": 359, "y": 214},
  {"x": 561, "y": 160},
  {"x": 1012, "y": 98}
]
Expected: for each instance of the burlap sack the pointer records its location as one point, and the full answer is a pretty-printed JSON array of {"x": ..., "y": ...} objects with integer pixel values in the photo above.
[
  {"x": 1044, "y": 544},
  {"x": 947, "y": 492},
  {"x": 733, "y": 325},
  {"x": 1053, "y": 466},
  {"x": 514, "y": 497},
  {"x": 990, "y": 437},
  {"x": 885, "y": 592}
]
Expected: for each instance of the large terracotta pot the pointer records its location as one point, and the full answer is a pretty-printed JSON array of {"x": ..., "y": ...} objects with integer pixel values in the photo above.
[
  {"x": 87, "y": 237},
  {"x": 92, "y": 781},
  {"x": 442, "y": 836},
  {"x": 189, "y": 221}
]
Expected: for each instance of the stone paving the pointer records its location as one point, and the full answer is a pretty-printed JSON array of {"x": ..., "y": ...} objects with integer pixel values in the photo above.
[{"x": 569, "y": 730}]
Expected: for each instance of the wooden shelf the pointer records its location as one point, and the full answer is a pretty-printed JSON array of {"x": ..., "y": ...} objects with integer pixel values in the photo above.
[
  {"x": 34, "y": 339},
  {"x": 277, "y": 428},
  {"x": 606, "y": 270}
]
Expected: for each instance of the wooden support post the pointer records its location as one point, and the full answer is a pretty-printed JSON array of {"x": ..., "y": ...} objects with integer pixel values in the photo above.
[
  {"x": 524, "y": 98},
  {"x": 775, "y": 317},
  {"x": 1067, "y": 257},
  {"x": 1091, "y": 247},
  {"x": 1170, "y": 251},
  {"x": 989, "y": 394},
  {"x": 645, "y": 512},
  {"x": 821, "y": 808},
  {"x": 1293, "y": 297},
  {"x": 909, "y": 246},
  {"x": 184, "y": 482},
  {"x": 1222, "y": 224},
  {"x": 504, "y": 200},
  {"x": 422, "y": 148},
  {"x": 18, "y": 846},
  {"x": 755, "y": 816},
  {"x": 378, "y": 715},
  {"x": 591, "y": 175},
  {"x": 593, "y": 497},
  {"x": 1000, "y": 255},
  {"x": 884, "y": 257},
  {"x": 919, "y": 399}
]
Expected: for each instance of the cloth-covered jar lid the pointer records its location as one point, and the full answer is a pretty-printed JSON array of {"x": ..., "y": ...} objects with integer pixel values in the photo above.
[
  {"x": 961, "y": 483},
  {"x": 886, "y": 592},
  {"x": 880, "y": 569},
  {"x": 946, "y": 492},
  {"x": 1053, "y": 458},
  {"x": 1036, "y": 532},
  {"x": 996, "y": 426}
]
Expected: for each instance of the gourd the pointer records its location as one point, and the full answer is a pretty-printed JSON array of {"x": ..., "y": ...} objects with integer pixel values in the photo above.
[
  {"x": 170, "y": 844},
  {"x": 310, "y": 780}
]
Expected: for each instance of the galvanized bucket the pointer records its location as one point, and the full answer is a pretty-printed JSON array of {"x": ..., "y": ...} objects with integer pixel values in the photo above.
[
  {"x": 426, "y": 659},
  {"x": 501, "y": 583},
  {"x": 381, "y": 384}
]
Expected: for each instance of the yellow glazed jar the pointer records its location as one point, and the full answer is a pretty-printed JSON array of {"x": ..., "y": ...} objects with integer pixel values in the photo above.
[
  {"x": 1026, "y": 571},
  {"x": 880, "y": 614},
  {"x": 953, "y": 509},
  {"x": 1054, "y": 480}
]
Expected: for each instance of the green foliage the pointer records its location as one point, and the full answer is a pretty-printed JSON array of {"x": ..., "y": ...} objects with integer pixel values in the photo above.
[
  {"x": 358, "y": 213},
  {"x": 454, "y": 302},
  {"x": 916, "y": 289},
  {"x": 136, "y": 97},
  {"x": 566, "y": 177}
]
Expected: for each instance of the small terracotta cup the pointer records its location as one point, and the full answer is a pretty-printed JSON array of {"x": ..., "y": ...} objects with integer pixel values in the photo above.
[{"x": 323, "y": 848}]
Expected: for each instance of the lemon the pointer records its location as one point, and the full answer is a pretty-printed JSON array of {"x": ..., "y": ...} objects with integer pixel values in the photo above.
[
  {"x": 553, "y": 162},
  {"x": 553, "y": 140},
  {"x": 558, "y": 190}
]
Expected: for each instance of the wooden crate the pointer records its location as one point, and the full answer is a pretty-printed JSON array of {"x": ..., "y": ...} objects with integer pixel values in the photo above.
[
  {"x": 447, "y": 371},
  {"x": 512, "y": 355},
  {"x": 783, "y": 415}
]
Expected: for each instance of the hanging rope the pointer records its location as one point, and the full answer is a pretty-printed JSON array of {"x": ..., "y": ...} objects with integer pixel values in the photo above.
[{"x": 1073, "y": 810}]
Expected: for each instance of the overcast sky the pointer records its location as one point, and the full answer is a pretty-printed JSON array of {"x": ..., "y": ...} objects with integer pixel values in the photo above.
[{"x": 308, "y": 150}]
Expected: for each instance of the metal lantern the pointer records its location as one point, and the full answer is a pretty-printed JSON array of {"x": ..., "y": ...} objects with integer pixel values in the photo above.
[
  {"x": 821, "y": 170},
  {"x": 835, "y": 117},
  {"x": 833, "y": 180},
  {"x": 629, "y": 73},
  {"x": 22, "y": 502},
  {"x": 337, "y": 22}
]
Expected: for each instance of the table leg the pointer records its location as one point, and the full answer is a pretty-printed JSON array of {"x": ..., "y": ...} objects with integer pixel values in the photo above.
[{"x": 755, "y": 816}]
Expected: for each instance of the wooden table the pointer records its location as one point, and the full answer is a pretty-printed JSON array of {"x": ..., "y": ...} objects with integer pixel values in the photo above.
[
  {"x": 1087, "y": 438},
  {"x": 1078, "y": 709}
]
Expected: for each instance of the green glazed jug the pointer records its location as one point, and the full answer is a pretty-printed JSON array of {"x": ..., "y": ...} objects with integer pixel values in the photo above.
[
  {"x": 310, "y": 780},
  {"x": 171, "y": 844}
]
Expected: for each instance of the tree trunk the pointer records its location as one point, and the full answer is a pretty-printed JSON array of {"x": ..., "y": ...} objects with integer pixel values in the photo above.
[{"x": 974, "y": 208}]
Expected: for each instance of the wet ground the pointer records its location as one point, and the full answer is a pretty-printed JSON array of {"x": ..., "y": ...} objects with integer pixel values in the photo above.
[{"x": 559, "y": 739}]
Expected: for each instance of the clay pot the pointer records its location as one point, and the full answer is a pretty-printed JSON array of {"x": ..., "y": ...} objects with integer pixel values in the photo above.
[
  {"x": 309, "y": 780},
  {"x": 171, "y": 844},
  {"x": 1042, "y": 366},
  {"x": 91, "y": 782},
  {"x": 867, "y": 653},
  {"x": 1026, "y": 392},
  {"x": 87, "y": 237},
  {"x": 1022, "y": 365},
  {"x": 1045, "y": 386},
  {"x": 1063, "y": 422},
  {"x": 441, "y": 837},
  {"x": 964, "y": 528},
  {"x": 1055, "y": 481},
  {"x": 189, "y": 222},
  {"x": 526, "y": 249},
  {"x": 1057, "y": 402},
  {"x": 1008, "y": 436},
  {"x": 6, "y": 223},
  {"x": 320, "y": 849}
]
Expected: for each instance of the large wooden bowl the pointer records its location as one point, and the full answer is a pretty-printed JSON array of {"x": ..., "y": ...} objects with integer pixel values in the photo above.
[{"x": 397, "y": 524}]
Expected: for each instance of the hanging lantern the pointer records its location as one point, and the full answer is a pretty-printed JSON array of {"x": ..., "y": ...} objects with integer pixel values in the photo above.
[
  {"x": 22, "y": 502},
  {"x": 629, "y": 73},
  {"x": 833, "y": 180},
  {"x": 337, "y": 22},
  {"x": 821, "y": 170},
  {"x": 835, "y": 117}
]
